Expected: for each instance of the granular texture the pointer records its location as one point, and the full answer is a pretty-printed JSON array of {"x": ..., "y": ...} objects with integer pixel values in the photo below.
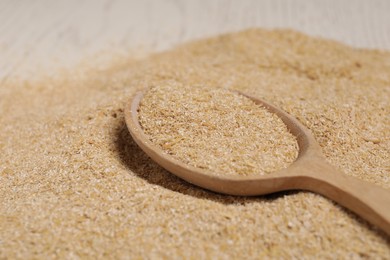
[
  {"x": 215, "y": 129},
  {"x": 73, "y": 184}
]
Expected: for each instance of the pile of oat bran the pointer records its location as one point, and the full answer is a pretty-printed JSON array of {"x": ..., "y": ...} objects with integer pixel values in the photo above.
[{"x": 73, "y": 183}]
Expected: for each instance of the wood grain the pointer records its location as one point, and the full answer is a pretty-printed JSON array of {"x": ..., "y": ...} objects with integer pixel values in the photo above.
[{"x": 61, "y": 32}]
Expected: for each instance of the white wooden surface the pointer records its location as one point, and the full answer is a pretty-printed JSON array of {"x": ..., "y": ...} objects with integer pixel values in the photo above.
[{"x": 54, "y": 33}]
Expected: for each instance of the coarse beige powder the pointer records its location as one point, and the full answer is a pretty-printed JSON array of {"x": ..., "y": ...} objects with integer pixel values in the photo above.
[
  {"x": 73, "y": 184},
  {"x": 215, "y": 129}
]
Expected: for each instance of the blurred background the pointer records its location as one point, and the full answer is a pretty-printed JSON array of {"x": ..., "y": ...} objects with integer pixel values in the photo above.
[{"x": 49, "y": 33}]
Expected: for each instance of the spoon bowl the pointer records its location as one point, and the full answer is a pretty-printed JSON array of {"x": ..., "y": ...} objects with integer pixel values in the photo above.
[{"x": 309, "y": 171}]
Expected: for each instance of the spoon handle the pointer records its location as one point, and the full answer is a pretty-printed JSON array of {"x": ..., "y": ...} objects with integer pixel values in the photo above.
[{"x": 367, "y": 200}]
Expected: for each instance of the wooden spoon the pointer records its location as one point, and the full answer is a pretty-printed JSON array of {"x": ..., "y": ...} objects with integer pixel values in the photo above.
[{"x": 309, "y": 172}]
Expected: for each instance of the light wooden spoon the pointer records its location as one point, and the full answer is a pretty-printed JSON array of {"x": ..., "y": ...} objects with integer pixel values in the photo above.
[{"x": 309, "y": 172}]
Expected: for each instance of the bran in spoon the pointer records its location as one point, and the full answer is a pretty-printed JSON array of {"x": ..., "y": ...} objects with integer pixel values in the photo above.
[{"x": 216, "y": 129}]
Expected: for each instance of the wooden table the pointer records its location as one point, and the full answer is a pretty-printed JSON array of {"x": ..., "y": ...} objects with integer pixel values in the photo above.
[{"x": 45, "y": 32}]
